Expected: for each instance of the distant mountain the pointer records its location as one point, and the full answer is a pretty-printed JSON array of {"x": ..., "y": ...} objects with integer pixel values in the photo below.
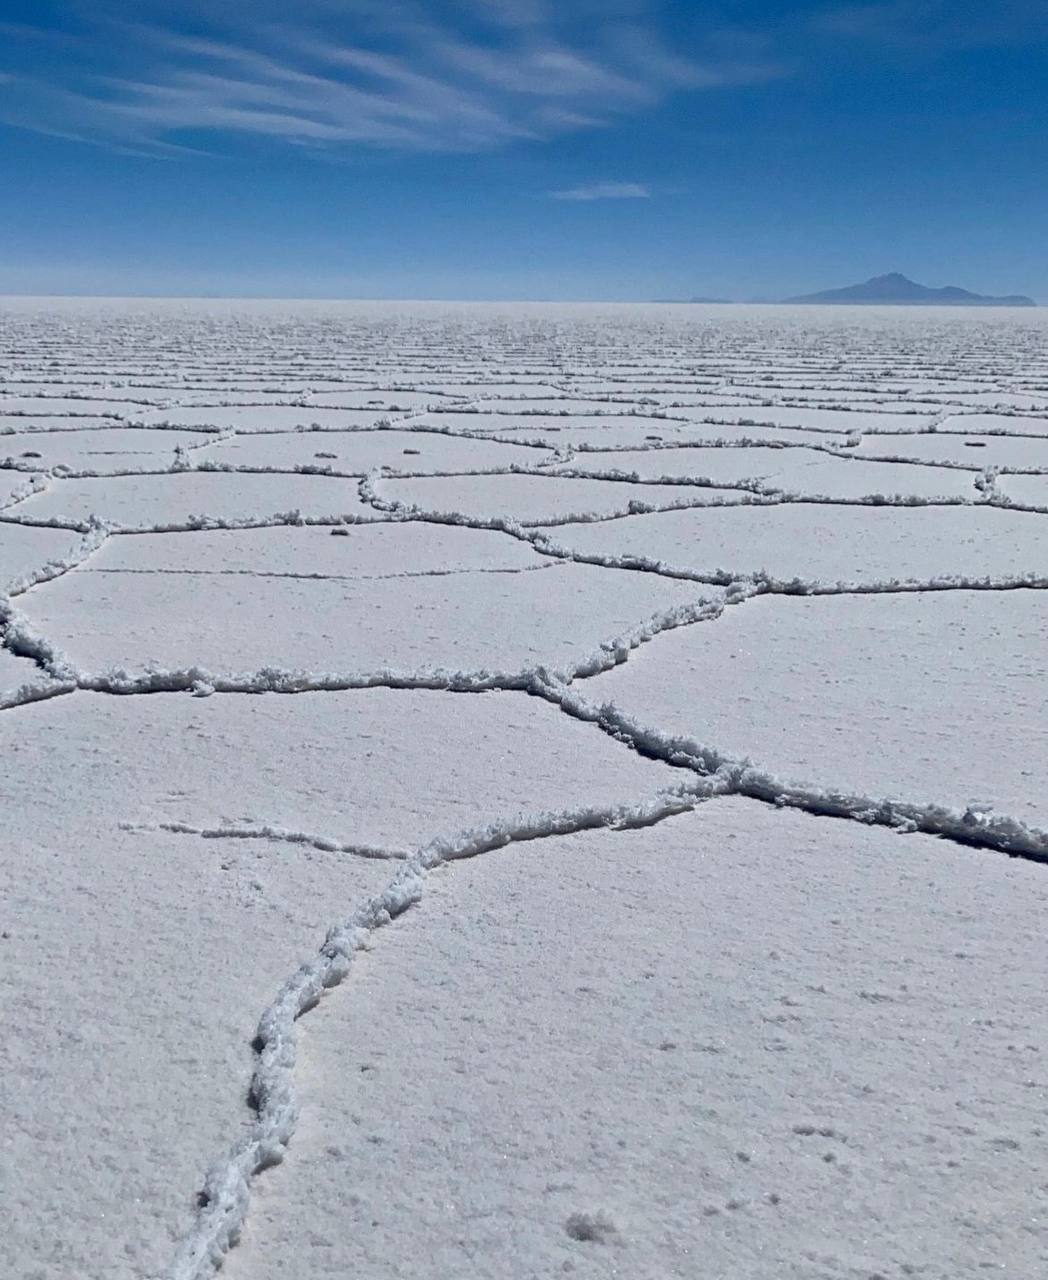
[
  {"x": 707, "y": 301},
  {"x": 896, "y": 290}
]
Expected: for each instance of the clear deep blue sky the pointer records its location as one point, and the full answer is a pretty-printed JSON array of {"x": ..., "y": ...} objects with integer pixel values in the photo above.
[{"x": 520, "y": 148}]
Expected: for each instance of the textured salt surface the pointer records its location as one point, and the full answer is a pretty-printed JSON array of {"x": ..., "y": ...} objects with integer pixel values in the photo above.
[
  {"x": 802, "y": 471},
  {"x": 161, "y": 948},
  {"x": 839, "y": 691},
  {"x": 824, "y": 543},
  {"x": 154, "y": 501},
  {"x": 359, "y": 452},
  {"x": 647, "y": 865},
  {"x": 104, "y": 450},
  {"x": 622, "y": 1104},
  {"x": 475, "y": 622},
  {"x": 536, "y": 499},
  {"x": 366, "y": 551},
  {"x": 23, "y": 549}
]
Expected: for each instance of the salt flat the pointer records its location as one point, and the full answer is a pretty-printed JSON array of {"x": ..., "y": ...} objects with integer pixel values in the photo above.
[
  {"x": 521, "y": 790},
  {"x": 358, "y": 452},
  {"x": 820, "y": 542},
  {"x": 803, "y": 471},
  {"x": 178, "y": 498},
  {"x": 537, "y": 499},
  {"x": 682, "y": 1120},
  {"x": 23, "y": 548},
  {"x": 99, "y": 449}
]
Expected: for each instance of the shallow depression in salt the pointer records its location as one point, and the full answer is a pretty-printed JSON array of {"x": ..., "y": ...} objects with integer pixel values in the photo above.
[{"x": 404, "y": 660}]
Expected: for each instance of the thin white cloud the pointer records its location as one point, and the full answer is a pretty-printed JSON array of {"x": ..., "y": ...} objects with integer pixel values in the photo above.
[
  {"x": 604, "y": 191},
  {"x": 365, "y": 74}
]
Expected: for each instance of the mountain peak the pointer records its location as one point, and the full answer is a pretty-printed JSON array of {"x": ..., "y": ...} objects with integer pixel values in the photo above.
[{"x": 895, "y": 289}]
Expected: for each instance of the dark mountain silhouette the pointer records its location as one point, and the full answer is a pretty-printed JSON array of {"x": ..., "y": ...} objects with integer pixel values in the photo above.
[{"x": 897, "y": 291}]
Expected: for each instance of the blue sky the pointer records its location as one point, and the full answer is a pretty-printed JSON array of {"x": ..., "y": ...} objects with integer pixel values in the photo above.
[{"x": 520, "y": 148}]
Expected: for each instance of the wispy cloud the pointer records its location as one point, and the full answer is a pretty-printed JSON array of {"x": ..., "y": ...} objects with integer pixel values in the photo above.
[
  {"x": 934, "y": 26},
  {"x": 604, "y": 191},
  {"x": 361, "y": 73}
]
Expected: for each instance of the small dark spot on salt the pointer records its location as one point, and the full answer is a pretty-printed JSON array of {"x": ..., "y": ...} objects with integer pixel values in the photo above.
[
  {"x": 667, "y": 1045},
  {"x": 590, "y": 1228}
]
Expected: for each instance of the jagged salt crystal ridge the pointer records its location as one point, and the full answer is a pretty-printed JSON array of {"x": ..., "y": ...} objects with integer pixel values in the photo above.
[
  {"x": 842, "y": 451},
  {"x": 38, "y": 691},
  {"x": 92, "y": 539},
  {"x": 19, "y": 637},
  {"x": 751, "y": 493},
  {"x": 23, "y": 466},
  {"x": 623, "y": 476},
  {"x": 608, "y": 654},
  {"x": 765, "y": 583},
  {"x": 612, "y": 653},
  {"x": 225, "y": 1197},
  {"x": 726, "y": 775},
  {"x": 204, "y": 523},
  {"x": 280, "y": 680},
  {"x": 49, "y": 522},
  {"x": 520, "y": 528},
  {"x": 35, "y": 483},
  {"x": 73, "y": 416},
  {"x": 283, "y": 680},
  {"x": 266, "y": 831}
]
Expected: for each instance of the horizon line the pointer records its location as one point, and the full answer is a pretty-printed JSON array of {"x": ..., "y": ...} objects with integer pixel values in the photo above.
[{"x": 637, "y": 302}]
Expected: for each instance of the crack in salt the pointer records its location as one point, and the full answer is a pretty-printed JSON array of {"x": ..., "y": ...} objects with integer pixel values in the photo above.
[{"x": 710, "y": 772}]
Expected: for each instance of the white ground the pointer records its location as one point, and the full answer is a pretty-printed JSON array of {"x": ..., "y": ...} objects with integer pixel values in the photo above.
[
  {"x": 737, "y": 978},
  {"x": 101, "y": 450},
  {"x": 801, "y": 471}
]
